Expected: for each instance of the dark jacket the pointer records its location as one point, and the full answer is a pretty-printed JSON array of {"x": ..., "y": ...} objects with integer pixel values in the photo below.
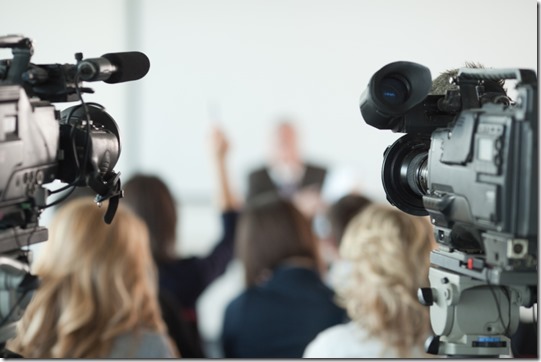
[
  {"x": 260, "y": 181},
  {"x": 182, "y": 281},
  {"x": 280, "y": 317}
]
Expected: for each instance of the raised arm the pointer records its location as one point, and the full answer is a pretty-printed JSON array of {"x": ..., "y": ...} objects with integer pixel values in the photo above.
[{"x": 220, "y": 149}]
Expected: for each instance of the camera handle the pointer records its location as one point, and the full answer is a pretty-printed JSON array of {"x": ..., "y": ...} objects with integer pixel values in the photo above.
[{"x": 22, "y": 52}]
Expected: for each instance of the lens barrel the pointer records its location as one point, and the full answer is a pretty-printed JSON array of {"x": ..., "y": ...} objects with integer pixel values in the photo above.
[{"x": 404, "y": 173}]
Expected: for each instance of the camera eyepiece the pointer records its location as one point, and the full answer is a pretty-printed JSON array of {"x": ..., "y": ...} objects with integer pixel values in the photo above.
[{"x": 392, "y": 91}]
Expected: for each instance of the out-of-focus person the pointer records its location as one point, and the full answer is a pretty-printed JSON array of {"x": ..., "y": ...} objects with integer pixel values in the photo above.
[
  {"x": 98, "y": 292},
  {"x": 338, "y": 215},
  {"x": 285, "y": 303},
  {"x": 286, "y": 172},
  {"x": 389, "y": 250},
  {"x": 182, "y": 280}
]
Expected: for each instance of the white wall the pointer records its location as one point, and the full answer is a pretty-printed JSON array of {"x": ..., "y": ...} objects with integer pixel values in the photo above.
[
  {"x": 245, "y": 62},
  {"x": 255, "y": 59}
]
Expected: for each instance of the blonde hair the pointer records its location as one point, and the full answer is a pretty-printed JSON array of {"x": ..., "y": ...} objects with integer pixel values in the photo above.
[
  {"x": 389, "y": 250},
  {"x": 98, "y": 281}
]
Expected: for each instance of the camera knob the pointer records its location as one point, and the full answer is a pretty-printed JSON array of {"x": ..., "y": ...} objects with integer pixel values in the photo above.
[
  {"x": 432, "y": 344},
  {"x": 425, "y": 296}
]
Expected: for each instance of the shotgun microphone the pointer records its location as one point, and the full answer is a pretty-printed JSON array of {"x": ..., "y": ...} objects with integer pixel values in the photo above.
[{"x": 114, "y": 67}]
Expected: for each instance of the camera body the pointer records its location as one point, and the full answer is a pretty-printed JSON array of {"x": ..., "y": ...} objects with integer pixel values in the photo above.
[
  {"x": 468, "y": 160},
  {"x": 39, "y": 144}
]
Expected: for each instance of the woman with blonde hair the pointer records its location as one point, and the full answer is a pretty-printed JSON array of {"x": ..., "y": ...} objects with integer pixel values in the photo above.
[
  {"x": 389, "y": 251},
  {"x": 97, "y": 297}
]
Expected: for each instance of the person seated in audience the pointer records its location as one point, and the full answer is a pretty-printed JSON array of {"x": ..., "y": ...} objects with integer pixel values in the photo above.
[
  {"x": 390, "y": 251},
  {"x": 98, "y": 291},
  {"x": 338, "y": 215},
  {"x": 286, "y": 304},
  {"x": 182, "y": 280}
]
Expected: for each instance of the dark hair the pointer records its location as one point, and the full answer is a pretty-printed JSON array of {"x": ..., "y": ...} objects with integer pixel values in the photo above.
[
  {"x": 150, "y": 198},
  {"x": 342, "y": 211},
  {"x": 271, "y": 230}
]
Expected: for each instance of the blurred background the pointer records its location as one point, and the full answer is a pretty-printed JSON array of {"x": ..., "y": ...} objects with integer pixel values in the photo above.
[{"x": 245, "y": 63}]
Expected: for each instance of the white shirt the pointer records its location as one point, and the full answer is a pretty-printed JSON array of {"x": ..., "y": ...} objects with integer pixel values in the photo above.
[
  {"x": 339, "y": 273},
  {"x": 350, "y": 341}
]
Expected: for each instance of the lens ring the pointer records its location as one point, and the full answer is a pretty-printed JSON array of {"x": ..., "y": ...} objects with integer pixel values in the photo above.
[{"x": 396, "y": 160}]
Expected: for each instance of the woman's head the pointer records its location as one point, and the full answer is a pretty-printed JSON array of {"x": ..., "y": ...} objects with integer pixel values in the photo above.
[
  {"x": 97, "y": 282},
  {"x": 271, "y": 231},
  {"x": 342, "y": 211},
  {"x": 389, "y": 250},
  {"x": 150, "y": 198}
]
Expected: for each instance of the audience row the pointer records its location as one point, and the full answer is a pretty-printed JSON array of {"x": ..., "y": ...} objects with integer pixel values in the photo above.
[{"x": 121, "y": 290}]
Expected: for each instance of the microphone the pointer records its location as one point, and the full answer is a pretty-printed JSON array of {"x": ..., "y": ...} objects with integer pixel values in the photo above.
[{"x": 114, "y": 67}]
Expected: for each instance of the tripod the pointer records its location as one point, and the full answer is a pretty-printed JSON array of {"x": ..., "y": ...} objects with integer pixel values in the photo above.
[{"x": 473, "y": 308}]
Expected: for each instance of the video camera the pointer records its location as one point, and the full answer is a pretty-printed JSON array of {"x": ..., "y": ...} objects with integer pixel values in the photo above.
[
  {"x": 39, "y": 144},
  {"x": 469, "y": 160}
]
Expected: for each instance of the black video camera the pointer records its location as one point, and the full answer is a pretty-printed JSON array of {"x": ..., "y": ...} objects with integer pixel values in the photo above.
[
  {"x": 39, "y": 144},
  {"x": 469, "y": 160}
]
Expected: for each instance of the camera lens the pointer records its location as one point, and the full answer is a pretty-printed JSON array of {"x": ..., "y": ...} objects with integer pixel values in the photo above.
[
  {"x": 404, "y": 173},
  {"x": 394, "y": 91}
]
